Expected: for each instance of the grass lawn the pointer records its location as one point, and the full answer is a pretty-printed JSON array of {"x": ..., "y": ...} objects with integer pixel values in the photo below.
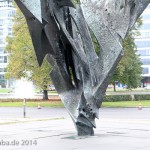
[
  {"x": 5, "y": 90},
  {"x": 145, "y": 103},
  {"x": 32, "y": 104}
]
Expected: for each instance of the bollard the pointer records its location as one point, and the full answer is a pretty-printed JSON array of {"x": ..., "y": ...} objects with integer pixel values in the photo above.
[
  {"x": 140, "y": 106},
  {"x": 39, "y": 106},
  {"x": 24, "y": 107}
]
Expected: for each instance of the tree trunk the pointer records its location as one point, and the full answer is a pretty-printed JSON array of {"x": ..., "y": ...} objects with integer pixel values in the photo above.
[
  {"x": 114, "y": 84},
  {"x": 45, "y": 95}
]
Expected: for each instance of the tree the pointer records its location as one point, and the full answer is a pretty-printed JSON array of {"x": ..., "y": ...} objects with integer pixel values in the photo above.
[
  {"x": 22, "y": 59},
  {"x": 129, "y": 69}
]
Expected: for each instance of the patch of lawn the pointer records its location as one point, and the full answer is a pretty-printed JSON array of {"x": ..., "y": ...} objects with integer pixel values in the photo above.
[
  {"x": 32, "y": 104},
  {"x": 49, "y": 92},
  {"x": 145, "y": 103},
  {"x": 52, "y": 92},
  {"x": 5, "y": 90}
]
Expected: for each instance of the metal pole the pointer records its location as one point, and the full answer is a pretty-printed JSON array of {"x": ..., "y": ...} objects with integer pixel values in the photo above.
[{"x": 24, "y": 107}]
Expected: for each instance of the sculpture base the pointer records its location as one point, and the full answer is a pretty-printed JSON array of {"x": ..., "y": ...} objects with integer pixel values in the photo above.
[{"x": 83, "y": 130}]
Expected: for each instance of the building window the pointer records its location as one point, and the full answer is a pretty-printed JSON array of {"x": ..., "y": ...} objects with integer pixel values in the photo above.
[
  {"x": 1, "y": 50},
  {"x": 2, "y": 77},
  {"x": 5, "y": 59},
  {"x": 5, "y": 69},
  {"x": 141, "y": 44},
  {"x": 143, "y": 52},
  {"x": 145, "y": 26},
  {"x": 146, "y": 17},
  {"x": 1, "y": 59},
  {"x": 145, "y": 61},
  {"x": 9, "y": 22},
  {"x": 1, "y": 69},
  {"x": 1, "y": 32},
  {"x": 145, "y": 71},
  {"x": 1, "y": 41},
  {"x": 1, "y": 22},
  {"x": 11, "y": 13},
  {"x": 144, "y": 35},
  {"x": 5, "y": 4},
  {"x": 9, "y": 31}
]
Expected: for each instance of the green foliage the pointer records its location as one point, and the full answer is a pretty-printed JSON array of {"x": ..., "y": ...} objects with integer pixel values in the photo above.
[
  {"x": 116, "y": 98},
  {"x": 75, "y": 1},
  {"x": 129, "y": 69},
  {"x": 95, "y": 42},
  {"x": 22, "y": 58},
  {"x": 142, "y": 97}
]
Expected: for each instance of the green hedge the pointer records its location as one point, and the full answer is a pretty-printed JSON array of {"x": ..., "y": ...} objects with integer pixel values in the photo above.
[
  {"x": 107, "y": 98},
  {"x": 137, "y": 97},
  {"x": 17, "y": 100},
  {"x": 142, "y": 97},
  {"x": 114, "y": 98}
]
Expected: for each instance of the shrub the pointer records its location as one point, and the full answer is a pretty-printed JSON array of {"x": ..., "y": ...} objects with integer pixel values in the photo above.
[
  {"x": 142, "y": 97},
  {"x": 114, "y": 98}
]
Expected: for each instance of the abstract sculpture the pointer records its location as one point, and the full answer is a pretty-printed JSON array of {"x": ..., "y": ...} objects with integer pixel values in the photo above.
[{"x": 62, "y": 31}]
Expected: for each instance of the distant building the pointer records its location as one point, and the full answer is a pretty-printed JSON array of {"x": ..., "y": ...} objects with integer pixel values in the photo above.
[
  {"x": 7, "y": 12},
  {"x": 143, "y": 46}
]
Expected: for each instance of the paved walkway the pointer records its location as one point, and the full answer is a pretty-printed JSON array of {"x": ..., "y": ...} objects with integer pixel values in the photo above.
[{"x": 52, "y": 129}]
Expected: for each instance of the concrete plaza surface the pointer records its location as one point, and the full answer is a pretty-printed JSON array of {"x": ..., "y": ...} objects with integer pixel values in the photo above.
[{"x": 52, "y": 129}]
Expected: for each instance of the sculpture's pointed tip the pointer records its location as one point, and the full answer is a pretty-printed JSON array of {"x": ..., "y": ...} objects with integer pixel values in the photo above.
[
  {"x": 93, "y": 123},
  {"x": 97, "y": 115}
]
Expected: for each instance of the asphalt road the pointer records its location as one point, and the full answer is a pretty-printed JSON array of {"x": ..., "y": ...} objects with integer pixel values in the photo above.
[
  {"x": 32, "y": 112},
  {"x": 52, "y": 129}
]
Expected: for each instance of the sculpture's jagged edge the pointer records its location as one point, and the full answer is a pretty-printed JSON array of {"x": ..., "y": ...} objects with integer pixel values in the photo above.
[{"x": 110, "y": 22}]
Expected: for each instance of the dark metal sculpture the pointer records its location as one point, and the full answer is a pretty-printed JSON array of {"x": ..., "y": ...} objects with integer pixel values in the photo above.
[{"x": 61, "y": 31}]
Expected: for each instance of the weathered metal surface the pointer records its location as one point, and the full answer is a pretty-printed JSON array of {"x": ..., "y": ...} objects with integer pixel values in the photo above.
[{"x": 62, "y": 31}]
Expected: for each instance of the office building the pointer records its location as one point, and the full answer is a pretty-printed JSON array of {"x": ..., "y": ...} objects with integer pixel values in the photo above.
[
  {"x": 6, "y": 15},
  {"x": 143, "y": 46}
]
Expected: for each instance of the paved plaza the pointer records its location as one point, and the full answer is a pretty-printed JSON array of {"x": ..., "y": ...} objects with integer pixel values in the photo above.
[{"x": 52, "y": 129}]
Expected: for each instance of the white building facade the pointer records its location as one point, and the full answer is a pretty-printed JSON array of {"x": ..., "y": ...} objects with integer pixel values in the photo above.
[
  {"x": 6, "y": 15},
  {"x": 143, "y": 46}
]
